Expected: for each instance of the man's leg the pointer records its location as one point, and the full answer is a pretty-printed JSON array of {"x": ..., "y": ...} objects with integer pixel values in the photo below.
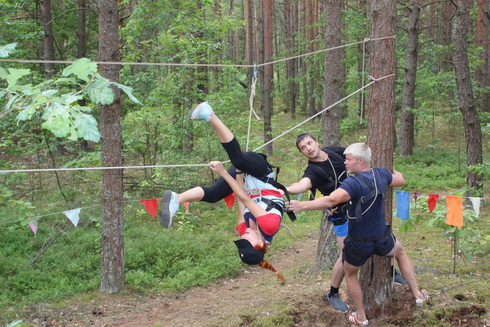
[
  {"x": 355, "y": 290},
  {"x": 407, "y": 270},
  {"x": 333, "y": 296}
]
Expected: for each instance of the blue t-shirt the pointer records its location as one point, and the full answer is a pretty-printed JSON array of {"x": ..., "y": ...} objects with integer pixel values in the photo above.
[{"x": 373, "y": 219}]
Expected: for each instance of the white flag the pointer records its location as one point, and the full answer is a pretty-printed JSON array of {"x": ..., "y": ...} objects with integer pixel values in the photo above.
[
  {"x": 73, "y": 215},
  {"x": 476, "y": 205}
]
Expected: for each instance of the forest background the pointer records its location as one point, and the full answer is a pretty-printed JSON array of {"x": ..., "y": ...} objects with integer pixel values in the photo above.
[{"x": 179, "y": 53}]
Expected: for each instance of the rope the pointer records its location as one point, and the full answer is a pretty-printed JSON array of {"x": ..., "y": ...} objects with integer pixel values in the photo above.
[
  {"x": 251, "y": 102},
  {"x": 97, "y": 168},
  {"x": 373, "y": 80},
  {"x": 192, "y": 65}
]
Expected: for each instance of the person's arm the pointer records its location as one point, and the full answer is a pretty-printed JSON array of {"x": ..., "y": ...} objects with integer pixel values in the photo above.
[
  {"x": 336, "y": 197},
  {"x": 299, "y": 187},
  {"x": 397, "y": 179},
  {"x": 254, "y": 208}
]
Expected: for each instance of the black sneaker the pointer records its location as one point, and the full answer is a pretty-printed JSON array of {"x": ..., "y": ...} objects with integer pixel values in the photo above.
[
  {"x": 399, "y": 279},
  {"x": 337, "y": 303}
]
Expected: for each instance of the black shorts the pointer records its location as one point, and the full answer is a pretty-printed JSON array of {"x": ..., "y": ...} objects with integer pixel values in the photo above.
[{"x": 356, "y": 253}]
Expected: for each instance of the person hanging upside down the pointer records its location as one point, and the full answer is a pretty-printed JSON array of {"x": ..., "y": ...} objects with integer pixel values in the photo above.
[{"x": 255, "y": 227}]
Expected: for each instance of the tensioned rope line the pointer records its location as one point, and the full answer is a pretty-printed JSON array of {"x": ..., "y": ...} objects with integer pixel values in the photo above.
[
  {"x": 195, "y": 65},
  {"x": 373, "y": 80}
]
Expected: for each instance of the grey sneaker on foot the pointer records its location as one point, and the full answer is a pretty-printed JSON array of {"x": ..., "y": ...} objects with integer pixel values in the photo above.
[
  {"x": 203, "y": 111},
  {"x": 399, "y": 279},
  {"x": 169, "y": 205},
  {"x": 337, "y": 303}
]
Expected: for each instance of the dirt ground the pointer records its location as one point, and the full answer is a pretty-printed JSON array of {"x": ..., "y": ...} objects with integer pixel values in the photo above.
[{"x": 239, "y": 301}]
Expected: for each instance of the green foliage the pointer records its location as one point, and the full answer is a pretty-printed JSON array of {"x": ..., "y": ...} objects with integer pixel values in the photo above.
[{"x": 61, "y": 113}]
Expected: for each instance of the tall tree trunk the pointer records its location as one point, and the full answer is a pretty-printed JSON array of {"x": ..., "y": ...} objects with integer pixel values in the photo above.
[
  {"x": 290, "y": 64},
  {"x": 48, "y": 38},
  {"x": 310, "y": 61},
  {"x": 81, "y": 29},
  {"x": 267, "y": 86},
  {"x": 249, "y": 39},
  {"x": 333, "y": 71},
  {"x": 381, "y": 103},
  {"x": 407, "y": 120},
  {"x": 483, "y": 41},
  {"x": 112, "y": 252},
  {"x": 467, "y": 102},
  {"x": 361, "y": 64}
]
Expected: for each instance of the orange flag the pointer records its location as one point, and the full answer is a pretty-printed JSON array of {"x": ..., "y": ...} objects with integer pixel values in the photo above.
[
  {"x": 230, "y": 200},
  {"x": 151, "y": 206},
  {"x": 186, "y": 205},
  {"x": 454, "y": 211}
]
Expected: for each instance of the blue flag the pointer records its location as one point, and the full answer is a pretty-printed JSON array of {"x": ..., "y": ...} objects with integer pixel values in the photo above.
[{"x": 402, "y": 204}]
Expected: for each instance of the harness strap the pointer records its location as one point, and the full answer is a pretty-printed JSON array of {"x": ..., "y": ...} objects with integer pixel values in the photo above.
[
  {"x": 271, "y": 204},
  {"x": 278, "y": 185},
  {"x": 367, "y": 197}
]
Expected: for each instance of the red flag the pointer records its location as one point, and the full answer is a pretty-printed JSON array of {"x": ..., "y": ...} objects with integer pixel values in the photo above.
[
  {"x": 432, "y": 201},
  {"x": 151, "y": 206},
  {"x": 230, "y": 200},
  {"x": 454, "y": 211},
  {"x": 186, "y": 205}
]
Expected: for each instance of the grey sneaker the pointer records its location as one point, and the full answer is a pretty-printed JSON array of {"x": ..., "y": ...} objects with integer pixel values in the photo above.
[
  {"x": 399, "y": 279},
  {"x": 169, "y": 205},
  {"x": 202, "y": 111},
  {"x": 337, "y": 303}
]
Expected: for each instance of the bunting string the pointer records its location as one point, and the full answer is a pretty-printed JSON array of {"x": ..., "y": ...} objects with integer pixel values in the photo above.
[{"x": 454, "y": 208}]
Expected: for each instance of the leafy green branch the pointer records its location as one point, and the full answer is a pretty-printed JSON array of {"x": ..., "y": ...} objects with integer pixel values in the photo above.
[{"x": 58, "y": 102}]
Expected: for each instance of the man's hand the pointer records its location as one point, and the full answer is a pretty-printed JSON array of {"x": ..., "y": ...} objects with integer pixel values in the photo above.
[
  {"x": 295, "y": 206},
  {"x": 217, "y": 166}
]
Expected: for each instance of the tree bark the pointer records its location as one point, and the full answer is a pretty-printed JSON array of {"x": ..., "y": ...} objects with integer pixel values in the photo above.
[
  {"x": 334, "y": 72},
  {"x": 81, "y": 30},
  {"x": 267, "y": 86},
  {"x": 48, "y": 38},
  {"x": 327, "y": 251},
  {"x": 467, "y": 102},
  {"x": 483, "y": 41},
  {"x": 112, "y": 251},
  {"x": 290, "y": 26},
  {"x": 407, "y": 120},
  {"x": 381, "y": 103}
]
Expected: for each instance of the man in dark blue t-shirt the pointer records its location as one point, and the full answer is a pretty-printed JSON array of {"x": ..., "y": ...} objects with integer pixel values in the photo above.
[{"x": 367, "y": 232}]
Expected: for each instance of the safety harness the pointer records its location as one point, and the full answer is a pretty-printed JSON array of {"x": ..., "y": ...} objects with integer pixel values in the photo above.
[
  {"x": 373, "y": 194},
  {"x": 276, "y": 184}
]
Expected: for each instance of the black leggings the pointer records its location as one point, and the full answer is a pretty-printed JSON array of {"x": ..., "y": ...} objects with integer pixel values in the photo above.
[{"x": 251, "y": 163}]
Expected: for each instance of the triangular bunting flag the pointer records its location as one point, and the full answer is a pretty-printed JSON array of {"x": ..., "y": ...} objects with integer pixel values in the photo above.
[
  {"x": 402, "y": 204},
  {"x": 186, "y": 205},
  {"x": 230, "y": 200},
  {"x": 476, "y": 205},
  {"x": 33, "y": 226},
  {"x": 454, "y": 211},
  {"x": 73, "y": 215},
  {"x": 432, "y": 201},
  {"x": 151, "y": 206},
  {"x": 298, "y": 196}
]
